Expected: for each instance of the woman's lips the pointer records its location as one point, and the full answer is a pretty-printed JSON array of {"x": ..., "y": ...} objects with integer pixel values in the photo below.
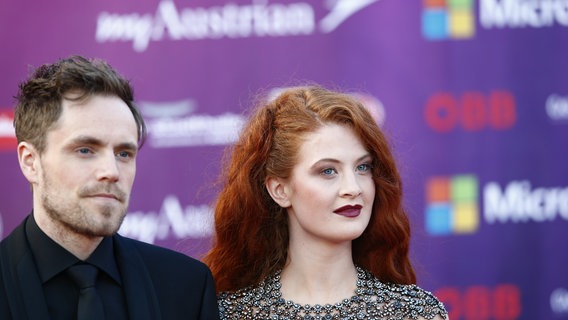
[{"x": 349, "y": 211}]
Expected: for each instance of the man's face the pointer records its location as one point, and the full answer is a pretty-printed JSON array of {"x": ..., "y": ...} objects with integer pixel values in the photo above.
[{"x": 87, "y": 169}]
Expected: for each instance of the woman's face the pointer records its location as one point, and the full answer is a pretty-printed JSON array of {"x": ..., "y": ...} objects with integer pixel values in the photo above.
[{"x": 329, "y": 195}]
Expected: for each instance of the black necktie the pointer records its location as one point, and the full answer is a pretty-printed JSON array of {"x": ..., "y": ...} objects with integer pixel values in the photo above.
[{"x": 90, "y": 305}]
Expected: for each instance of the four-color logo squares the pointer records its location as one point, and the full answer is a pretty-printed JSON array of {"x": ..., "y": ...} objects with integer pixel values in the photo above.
[
  {"x": 443, "y": 19},
  {"x": 452, "y": 205}
]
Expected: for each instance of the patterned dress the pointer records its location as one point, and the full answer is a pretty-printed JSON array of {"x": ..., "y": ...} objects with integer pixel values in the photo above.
[{"x": 372, "y": 300}]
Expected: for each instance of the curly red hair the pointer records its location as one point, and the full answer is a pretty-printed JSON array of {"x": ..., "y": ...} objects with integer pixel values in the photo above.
[{"x": 251, "y": 240}]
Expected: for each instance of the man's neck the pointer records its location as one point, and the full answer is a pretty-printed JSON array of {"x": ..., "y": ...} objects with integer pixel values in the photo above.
[{"x": 79, "y": 245}]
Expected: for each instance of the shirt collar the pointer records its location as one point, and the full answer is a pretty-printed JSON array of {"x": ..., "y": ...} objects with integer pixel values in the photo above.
[{"x": 51, "y": 258}]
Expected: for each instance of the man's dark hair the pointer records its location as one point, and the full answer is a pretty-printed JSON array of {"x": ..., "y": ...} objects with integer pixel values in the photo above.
[{"x": 39, "y": 100}]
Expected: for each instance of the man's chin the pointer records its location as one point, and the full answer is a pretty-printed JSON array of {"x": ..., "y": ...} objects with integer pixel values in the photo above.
[{"x": 106, "y": 228}]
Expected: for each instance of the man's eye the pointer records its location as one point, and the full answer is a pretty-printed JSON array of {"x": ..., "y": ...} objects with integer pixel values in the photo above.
[
  {"x": 124, "y": 154},
  {"x": 84, "y": 151}
]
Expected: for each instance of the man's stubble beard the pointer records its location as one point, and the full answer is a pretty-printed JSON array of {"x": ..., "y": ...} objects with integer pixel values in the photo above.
[{"x": 75, "y": 218}]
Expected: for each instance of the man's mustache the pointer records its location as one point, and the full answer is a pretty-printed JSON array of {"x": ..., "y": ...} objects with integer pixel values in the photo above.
[{"x": 108, "y": 189}]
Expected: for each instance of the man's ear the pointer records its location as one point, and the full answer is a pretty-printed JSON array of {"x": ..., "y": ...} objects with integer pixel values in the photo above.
[
  {"x": 28, "y": 157},
  {"x": 277, "y": 190}
]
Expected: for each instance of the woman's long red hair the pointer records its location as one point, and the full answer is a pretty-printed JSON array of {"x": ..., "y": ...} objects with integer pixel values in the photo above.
[{"x": 251, "y": 240}]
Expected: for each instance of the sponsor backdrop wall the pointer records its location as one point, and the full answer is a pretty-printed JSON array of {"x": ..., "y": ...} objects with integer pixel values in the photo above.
[{"x": 473, "y": 95}]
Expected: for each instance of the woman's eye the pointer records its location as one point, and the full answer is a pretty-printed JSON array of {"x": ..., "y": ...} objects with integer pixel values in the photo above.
[
  {"x": 364, "y": 167},
  {"x": 328, "y": 171}
]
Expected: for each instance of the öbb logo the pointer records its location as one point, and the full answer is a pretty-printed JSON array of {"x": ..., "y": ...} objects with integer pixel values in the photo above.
[
  {"x": 472, "y": 111},
  {"x": 503, "y": 302}
]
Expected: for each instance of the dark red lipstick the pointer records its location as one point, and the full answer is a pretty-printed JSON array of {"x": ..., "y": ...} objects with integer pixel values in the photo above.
[{"x": 349, "y": 211}]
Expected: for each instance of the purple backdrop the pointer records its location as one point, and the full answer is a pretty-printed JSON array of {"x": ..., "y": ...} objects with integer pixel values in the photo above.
[{"x": 473, "y": 94}]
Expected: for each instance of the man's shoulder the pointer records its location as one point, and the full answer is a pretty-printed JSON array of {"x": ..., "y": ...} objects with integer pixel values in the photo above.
[
  {"x": 14, "y": 244},
  {"x": 158, "y": 254}
]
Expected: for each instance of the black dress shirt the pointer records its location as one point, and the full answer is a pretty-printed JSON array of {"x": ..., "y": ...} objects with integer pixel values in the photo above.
[{"x": 60, "y": 292}]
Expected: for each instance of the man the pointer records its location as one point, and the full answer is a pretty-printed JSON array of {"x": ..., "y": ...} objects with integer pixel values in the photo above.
[{"x": 78, "y": 133}]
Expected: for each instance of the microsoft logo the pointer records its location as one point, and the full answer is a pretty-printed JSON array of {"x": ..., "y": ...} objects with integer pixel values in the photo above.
[
  {"x": 443, "y": 19},
  {"x": 452, "y": 205}
]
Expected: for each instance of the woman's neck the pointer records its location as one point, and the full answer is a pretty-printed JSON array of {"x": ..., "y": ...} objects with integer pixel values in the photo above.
[{"x": 319, "y": 275}]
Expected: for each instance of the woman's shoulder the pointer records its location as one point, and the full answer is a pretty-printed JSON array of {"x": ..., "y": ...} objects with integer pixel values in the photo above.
[
  {"x": 408, "y": 299},
  {"x": 242, "y": 302},
  {"x": 236, "y": 296},
  {"x": 411, "y": 291},
  {"x": 416, "y": 300}
]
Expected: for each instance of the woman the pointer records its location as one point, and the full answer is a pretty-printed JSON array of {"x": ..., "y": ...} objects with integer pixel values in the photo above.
[{"x": 309, "y": 222}]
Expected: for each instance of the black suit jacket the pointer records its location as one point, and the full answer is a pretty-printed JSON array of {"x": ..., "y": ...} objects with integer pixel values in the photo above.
[{"x": 158, "y": 283}]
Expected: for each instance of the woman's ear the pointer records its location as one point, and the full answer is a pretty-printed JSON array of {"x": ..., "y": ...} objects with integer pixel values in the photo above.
[
  {"x": 277, "y": 190},
  {"x": 28, "y": 158}
]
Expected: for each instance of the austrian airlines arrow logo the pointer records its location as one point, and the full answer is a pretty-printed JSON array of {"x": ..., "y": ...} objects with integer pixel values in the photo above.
[{"x": 341, "y": 10}]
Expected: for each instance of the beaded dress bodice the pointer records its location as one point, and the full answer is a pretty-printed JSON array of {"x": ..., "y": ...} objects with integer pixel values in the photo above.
[{"x": 373, "y": 300}]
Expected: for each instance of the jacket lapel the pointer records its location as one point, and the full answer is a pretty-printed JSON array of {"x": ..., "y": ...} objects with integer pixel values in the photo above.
[
  {"x": 32, "y": 290},
  {"x": 141, "y": 299}
]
